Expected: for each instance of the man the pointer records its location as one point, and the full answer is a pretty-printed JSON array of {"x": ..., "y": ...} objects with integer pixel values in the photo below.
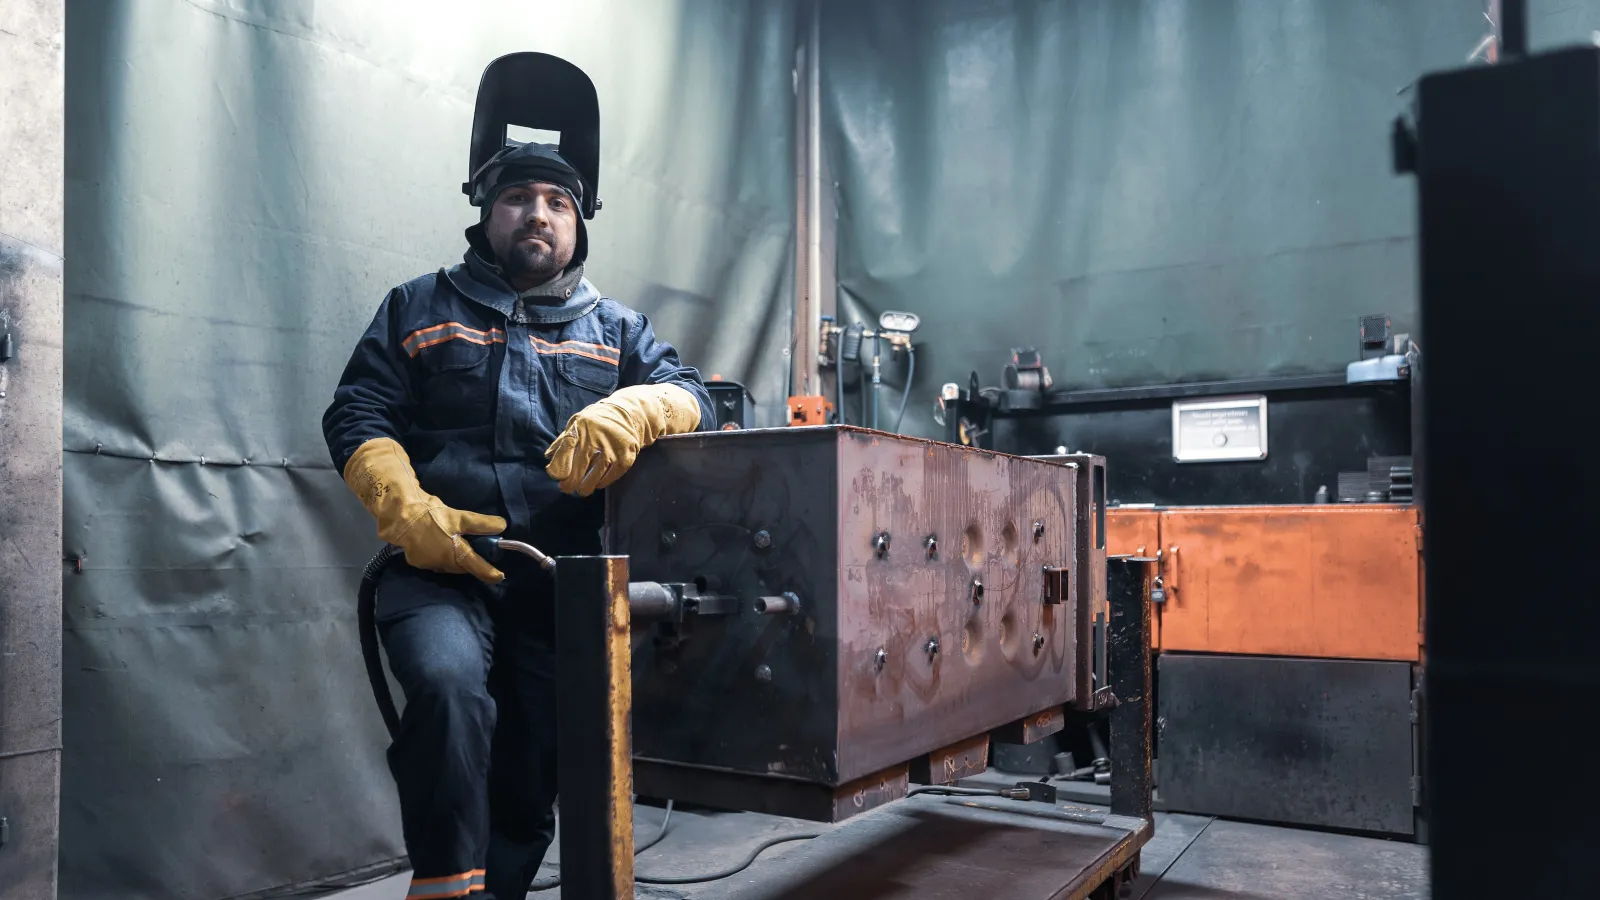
[{"x": 496, "y": 396}]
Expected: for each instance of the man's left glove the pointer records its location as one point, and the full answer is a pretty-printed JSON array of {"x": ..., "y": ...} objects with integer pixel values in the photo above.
[{"x": 601, "y": 441}]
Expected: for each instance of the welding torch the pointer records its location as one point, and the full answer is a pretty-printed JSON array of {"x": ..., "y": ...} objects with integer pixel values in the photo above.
[{"x": 490, "y": 548}]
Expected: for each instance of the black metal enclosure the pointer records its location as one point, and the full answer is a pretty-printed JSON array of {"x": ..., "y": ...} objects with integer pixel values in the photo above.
[
  {"x": 1318, "y": 426},
  {"x": 1507, "y": 163},
  {"x": 1322, "y": 742}
]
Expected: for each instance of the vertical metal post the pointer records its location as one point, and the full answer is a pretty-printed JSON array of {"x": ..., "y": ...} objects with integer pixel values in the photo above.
[
  {"x": 1091, "y": 574},
  {"x": 1512, "y": 26},
  {"x": 593, "y": 741},
  {"x": 803, "y": 378},
  {"x": 31, "y": 241},
  {"x": 1128, "y": 646}
]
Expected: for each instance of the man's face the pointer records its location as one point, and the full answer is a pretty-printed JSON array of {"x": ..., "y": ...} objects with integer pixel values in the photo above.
[{"x": 533, "y": 231}]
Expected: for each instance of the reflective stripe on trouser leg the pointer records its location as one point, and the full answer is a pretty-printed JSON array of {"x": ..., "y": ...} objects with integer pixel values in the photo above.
[
  {"x": 437, "y": 635},
  {"x": 463, "y": 885}
]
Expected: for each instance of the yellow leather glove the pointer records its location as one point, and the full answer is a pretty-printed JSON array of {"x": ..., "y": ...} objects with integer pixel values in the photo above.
[
  {"x": 602, "y": 440},
  {"x": 429, "y": 532}
]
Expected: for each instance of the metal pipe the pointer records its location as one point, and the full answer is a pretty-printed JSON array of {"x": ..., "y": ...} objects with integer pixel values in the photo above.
[
  {"x": 651, "y": 600},
  {"x": 545, "y": 562},
  {"x": 786, "y": 604},
  {"x": 813, "y": 192},
  {"x": 877, "y": 375},
  {"x": 804, "y": 371}
]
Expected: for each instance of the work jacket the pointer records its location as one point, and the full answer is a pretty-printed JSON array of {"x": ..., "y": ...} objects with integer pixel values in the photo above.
[{"x": 476, "y": 386}]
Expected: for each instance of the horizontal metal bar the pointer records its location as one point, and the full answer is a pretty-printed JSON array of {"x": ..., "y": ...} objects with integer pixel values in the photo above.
[{"x": 1064, "y": 401}]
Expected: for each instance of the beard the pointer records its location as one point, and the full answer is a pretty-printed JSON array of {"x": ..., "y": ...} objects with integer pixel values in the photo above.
[{"x": 536, "y": 263}]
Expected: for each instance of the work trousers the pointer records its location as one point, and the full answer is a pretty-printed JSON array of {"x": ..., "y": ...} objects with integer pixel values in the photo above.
[{"x": 475, "y": 756}]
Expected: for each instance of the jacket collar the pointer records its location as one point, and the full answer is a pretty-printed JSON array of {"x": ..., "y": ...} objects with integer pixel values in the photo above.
[
  {"x": 480, "y": 282},
  {"x": 582, "y": 302}
]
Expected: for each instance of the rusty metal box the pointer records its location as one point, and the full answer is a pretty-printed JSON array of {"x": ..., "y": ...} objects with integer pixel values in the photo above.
[{"x": 937, "y": 588}]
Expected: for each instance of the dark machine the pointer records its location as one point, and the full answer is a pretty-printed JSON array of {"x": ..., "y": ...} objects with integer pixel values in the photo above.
[
  {"x": 1507, "y": 165},
  {"x": 732, "y": 403},
  {"x": 893, "y": 597},
  {"x": 1289, "y": 594}
]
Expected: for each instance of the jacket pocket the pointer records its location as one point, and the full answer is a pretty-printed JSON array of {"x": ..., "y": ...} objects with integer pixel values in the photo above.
[
  {"x": 583, "y": 381},
  {"x": 457, "y": 388},
  {"x": 590, "y": 374}
]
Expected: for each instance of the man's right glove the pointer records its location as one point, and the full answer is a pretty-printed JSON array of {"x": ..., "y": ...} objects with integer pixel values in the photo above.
[{"x": 429, "y": 532}]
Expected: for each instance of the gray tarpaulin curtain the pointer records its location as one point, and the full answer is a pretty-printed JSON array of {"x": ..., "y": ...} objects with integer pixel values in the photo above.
[
  {"x": 245, "y": 180},
  {"x": 1145, "y": 190}
]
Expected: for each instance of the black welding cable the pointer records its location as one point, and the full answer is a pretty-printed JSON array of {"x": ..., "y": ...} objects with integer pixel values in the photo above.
[
  {"x": 911, "y": 371},
  {"x": 730, "y": 871},
  {"x": 367, "y": 629},
  {"x": 666, "y": 822}
]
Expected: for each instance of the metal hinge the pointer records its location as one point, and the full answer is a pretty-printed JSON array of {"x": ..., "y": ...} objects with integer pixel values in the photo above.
[
  {"x": 1417, "y": 535},
  {"x": 1416, "y": 790},
  {"x": 1416, "y": 705}
]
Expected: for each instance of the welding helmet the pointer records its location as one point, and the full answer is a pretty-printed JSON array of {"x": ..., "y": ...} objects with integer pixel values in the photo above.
[{"x": 544, "y": 93}]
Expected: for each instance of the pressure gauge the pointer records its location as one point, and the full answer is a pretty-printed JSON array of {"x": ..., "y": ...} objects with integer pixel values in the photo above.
[{"x": 903, "y": 322}]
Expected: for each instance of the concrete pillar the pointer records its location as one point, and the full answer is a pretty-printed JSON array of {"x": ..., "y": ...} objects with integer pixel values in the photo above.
[{"x": 31, "y": 146}]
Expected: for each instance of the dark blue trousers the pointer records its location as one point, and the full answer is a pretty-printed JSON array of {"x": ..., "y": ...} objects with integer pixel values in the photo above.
[{"x": 475, "y": 757}]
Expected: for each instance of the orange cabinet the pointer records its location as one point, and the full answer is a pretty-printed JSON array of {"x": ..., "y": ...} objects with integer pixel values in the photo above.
[
  {"x": 1337, "y": 582},
  {"x": 1133, "y": 532}
]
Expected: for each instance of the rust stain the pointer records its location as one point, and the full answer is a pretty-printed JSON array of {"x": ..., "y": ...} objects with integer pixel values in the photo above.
[
  {"x": 977, "y": 505},
  {"x": 620, "y": 694}
]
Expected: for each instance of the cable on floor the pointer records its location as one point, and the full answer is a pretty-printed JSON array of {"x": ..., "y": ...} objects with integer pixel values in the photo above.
[
  {"x": 732, "y": 870},
  {"x": 545, "y": 884}
]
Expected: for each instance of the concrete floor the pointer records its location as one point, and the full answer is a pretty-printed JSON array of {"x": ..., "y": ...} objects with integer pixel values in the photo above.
[{"x": 1189, "y": 858}]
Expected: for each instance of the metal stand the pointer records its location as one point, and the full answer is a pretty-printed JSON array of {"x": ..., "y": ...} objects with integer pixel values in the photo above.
[
  {"x": 593, "y": 615},
  {"x": 1128, "y": 646},
  {"x": 592, "y": 743}
]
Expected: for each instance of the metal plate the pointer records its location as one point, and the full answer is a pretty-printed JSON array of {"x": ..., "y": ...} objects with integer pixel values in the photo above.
[
  {"x": 1033, "y": 728},
  {"x": 935, "y": 850},
  {"x": 947, "y": 765},
  {"x": 1222, "y": 429},
  {"x": 1304, "y": 741}
]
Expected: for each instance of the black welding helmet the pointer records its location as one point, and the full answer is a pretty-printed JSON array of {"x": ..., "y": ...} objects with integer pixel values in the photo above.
[{"x": 544, "y": 93}]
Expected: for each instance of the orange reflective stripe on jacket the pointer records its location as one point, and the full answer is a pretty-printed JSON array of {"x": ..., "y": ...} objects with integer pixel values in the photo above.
[
  {"x": 578, "y": 348},
  {"x": 449, "y": 331}
]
